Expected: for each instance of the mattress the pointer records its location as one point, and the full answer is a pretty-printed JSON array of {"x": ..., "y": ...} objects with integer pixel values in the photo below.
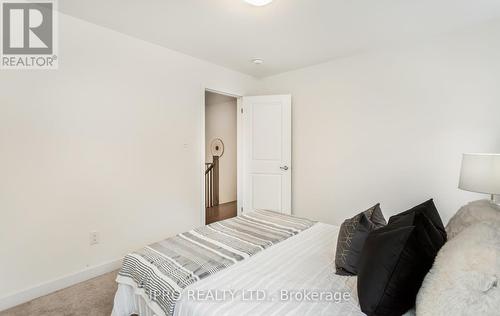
[{"x": 293, "y": 277}]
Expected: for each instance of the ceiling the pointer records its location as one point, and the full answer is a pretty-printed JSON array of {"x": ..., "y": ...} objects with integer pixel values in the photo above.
[{"x": 287, "y": 34}]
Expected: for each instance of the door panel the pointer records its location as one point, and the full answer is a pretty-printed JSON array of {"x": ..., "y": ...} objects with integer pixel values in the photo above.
[
  {"x": 267, "y": 131},
  {"x": 267, "y": 153},
  {"x": 262, "y": 184}
]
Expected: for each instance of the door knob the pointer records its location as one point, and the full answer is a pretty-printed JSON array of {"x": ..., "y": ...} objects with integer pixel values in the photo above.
[{"x": 284, "y": 168}]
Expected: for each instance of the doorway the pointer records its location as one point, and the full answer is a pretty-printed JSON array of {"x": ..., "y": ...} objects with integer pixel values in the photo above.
[{"x": 221, "y": 156}]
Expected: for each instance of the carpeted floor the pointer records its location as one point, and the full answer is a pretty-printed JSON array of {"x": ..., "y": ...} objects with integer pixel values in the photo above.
[{"x": 91, "y": 298}]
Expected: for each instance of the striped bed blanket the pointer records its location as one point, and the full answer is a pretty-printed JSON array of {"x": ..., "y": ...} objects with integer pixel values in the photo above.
[{"x": 162, "y": 270}]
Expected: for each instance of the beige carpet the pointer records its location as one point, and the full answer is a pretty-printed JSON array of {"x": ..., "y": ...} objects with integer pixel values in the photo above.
[{"x": 91, "y": 298}]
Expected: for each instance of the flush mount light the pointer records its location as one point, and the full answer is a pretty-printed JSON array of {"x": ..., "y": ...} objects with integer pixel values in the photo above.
[
  {"x": 258, "y": 61},
  {"x": 258, "y": 3}
]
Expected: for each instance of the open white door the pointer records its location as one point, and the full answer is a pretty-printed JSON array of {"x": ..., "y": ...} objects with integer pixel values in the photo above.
[{"x": 267, "y": 153}]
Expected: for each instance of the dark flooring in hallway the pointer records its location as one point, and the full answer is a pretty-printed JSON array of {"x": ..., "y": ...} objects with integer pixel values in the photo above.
[{"x": 220, "y": 212}]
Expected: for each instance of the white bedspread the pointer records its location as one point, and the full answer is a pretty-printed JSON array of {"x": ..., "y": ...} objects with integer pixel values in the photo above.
[{"x": 303, "y": 263}]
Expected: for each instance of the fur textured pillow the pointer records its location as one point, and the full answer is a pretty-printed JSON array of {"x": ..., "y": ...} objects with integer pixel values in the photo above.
[
  {"x": 465, "y": 277},
  {"x": 472, "y": 213}
]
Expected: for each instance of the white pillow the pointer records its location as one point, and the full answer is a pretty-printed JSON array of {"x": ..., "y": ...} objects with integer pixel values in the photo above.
[
  {"x": 474, "y": 212},
  {"x": 464, "y": 279}
]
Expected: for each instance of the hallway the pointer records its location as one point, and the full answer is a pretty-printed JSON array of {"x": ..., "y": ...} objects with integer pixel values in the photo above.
[{"x": 220, "y": 212}]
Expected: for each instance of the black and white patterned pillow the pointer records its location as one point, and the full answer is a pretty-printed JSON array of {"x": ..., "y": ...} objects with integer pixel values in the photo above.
[{"x": 352, "y": 236}]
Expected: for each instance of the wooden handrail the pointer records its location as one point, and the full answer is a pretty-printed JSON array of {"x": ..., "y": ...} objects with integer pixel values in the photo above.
[
  {"x": 212, "y": 182},
  {"x": 210, "y": 167}
]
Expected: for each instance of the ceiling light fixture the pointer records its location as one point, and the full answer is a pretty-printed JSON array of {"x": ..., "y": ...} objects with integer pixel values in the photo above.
[
  {"x": 258, "y": 3},
  {"x": 258, "y": 61}
]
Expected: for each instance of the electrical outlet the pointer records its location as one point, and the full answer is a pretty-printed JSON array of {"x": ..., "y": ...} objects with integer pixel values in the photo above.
[{"x": 94, "y": 238}]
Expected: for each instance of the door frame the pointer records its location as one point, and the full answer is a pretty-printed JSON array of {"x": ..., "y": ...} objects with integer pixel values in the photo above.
[{"x": 239, "y": 149}]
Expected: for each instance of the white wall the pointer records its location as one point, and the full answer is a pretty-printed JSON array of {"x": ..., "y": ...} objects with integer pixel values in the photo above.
[
  {"x": 390, "y": 126},
  {"x": 220, "y": 122},
  {"x": 98, "y": 145}
]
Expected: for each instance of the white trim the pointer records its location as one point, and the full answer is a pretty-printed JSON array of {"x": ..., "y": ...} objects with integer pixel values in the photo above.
[
  {"x": 239, "y": 155},
  {"x": 229, "y": 94},
  {"x": 54, "y": 285},
  {"x": 202, "y": 157}
]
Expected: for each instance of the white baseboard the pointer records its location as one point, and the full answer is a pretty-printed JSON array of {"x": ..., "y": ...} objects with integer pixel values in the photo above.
[{"x": 26, "y": 295}]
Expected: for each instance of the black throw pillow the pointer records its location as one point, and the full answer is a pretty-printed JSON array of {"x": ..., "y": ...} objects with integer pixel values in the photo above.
[
  {"x": 395, "y": 260},
  {"x": 352, "y": 236},
  {"x": 427, "y": 208}
]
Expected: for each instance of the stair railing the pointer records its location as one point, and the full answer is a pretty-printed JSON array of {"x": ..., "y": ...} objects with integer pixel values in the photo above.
[{"x": 212, "y": 182}]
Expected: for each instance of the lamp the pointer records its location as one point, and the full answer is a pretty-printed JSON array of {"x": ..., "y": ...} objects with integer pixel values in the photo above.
[{"x": 481, "y": 173}]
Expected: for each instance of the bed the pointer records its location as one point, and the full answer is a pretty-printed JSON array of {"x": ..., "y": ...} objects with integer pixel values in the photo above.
[{"x": 261, "y": 263}]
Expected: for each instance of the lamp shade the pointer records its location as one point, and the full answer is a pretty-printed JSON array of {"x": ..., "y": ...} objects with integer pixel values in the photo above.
[{"x": 480, "y": 173}]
